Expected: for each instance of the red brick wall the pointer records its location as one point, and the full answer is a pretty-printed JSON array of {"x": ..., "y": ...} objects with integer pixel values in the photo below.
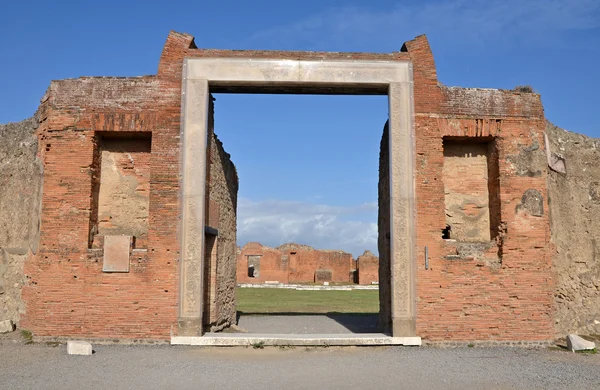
[
  {"x": 67, "y": 293},
  {"x": 304, "y": 263},
  {"x": 503, "y": 292},
  {"x": 293, "y": 263},
  {"x": 273, "y": 266},
  {"x": 368, "y": 268}
]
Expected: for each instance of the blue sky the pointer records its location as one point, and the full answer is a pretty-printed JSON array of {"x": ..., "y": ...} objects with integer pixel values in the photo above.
[{"x": 308, "y": 165}]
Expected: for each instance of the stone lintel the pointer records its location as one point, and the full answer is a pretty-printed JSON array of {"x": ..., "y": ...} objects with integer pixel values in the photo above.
[{"x": 320, "y": 76}]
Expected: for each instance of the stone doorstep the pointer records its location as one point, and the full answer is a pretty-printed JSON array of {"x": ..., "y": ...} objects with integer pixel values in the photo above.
[{"x": 233, "y": 340}]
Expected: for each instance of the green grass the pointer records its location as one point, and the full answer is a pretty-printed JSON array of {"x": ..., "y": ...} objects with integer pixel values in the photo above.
[{"x": 278, "y": 300}]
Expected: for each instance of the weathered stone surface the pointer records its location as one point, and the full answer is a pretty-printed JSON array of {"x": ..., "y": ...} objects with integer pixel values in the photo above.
[
  {"x": 79, "y": 347},
  {"x": 529, "y": 161},
  {"x": 576, "y": 343},
  {"x": 465, "y": 176},
  {"x": 322, "y": 275},
  {"x": 20, "y": 187},
  {"x": 6, "y": 326},
  {"x": 532, "y": 202},
  {"x": 124, "y": 188},
  {"x": 575, "y": 231},
  {"x": 220, "y": 266}
]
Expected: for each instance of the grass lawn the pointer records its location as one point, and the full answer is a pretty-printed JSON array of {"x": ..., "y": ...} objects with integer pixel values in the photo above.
[{"x": 279, "y": 300}]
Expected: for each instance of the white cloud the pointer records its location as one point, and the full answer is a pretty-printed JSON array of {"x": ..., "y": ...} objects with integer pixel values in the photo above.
[
  {"x": 274, "y": 222},
  {"x": 467, "y": 20}
]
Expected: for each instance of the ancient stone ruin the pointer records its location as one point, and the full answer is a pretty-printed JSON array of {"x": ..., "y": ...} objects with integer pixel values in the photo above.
[
  {"x": 118, "y": 203},
  {"x": 293, "y": 263}
]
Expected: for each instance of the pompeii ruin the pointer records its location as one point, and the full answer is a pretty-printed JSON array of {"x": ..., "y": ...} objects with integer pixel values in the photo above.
[
  {"x": 295, "y": 263},
  {"x": 118, "y": 201}
]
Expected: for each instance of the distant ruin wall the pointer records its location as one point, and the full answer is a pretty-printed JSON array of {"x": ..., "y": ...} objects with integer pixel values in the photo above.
[
  {"x": 257, "y": 263},
  {"x": 21, "y": 176},
  {"x": 367, "y": 268},
  {"x": 293, "y": 263},
  {"x": 574, "y": 201}
]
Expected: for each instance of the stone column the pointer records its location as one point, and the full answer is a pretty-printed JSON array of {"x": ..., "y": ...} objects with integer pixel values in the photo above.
[
  {"x": 402, "y": 209},
  {"x": 194, "y": 125}
]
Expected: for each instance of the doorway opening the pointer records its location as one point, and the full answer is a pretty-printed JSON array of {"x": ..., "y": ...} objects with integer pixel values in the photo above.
[
  {"x": 307, "y": 257},
  {"x": 373, "y": 74}
]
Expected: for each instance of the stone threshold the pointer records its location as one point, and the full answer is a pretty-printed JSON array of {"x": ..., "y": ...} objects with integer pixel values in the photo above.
[
  {"x": 307, "y": 287},
  {"x": 324, "y": 340}
]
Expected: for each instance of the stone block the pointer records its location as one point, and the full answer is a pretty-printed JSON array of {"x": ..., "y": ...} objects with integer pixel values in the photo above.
[
  {"x": 116, "y": 253},
  {"x": 6, "y": 326},
  {"x": 79, "y": 347},
  {"x": 576, "y": 343}
]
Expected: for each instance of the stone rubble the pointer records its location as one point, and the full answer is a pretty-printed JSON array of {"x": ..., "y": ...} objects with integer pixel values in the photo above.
[
  {"x": 576, "y": 343},
  {"x": 6, "y": 326}
]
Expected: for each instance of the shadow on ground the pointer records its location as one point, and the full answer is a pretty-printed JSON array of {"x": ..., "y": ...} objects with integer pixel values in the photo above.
[{"x": 304, "y": 323}]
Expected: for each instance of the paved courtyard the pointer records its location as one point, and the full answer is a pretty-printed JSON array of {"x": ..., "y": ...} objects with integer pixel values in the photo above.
[
  {"x": 163, "y": 366},
  {"x": 306, "y": 324}
]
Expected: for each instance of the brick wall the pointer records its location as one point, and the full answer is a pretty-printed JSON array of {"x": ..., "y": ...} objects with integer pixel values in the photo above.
[
  {"x": 367, "y": 266},
  {"x": 499, "y": 290},
  {"x": 293, "y": 263},
  {"x": 273, "y": 266},
  {"x": 67, "y": 293}
]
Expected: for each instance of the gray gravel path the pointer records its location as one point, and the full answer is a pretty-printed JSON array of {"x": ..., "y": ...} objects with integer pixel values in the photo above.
[
  {"x": 164, "y": 367},
  {"x": 303, "y": 324}
]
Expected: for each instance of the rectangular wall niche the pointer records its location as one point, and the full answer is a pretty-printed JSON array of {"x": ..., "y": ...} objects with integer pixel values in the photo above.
[
  {"x": 253, "y": 266},
  {"x": 121, "y": 187},
  {"x": 471, "y": 189}
]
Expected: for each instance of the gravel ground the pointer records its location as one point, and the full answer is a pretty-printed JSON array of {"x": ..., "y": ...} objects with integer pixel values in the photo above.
[
  {"x": 315, "y": 324},
  {"x": 160, "y": 367}
]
